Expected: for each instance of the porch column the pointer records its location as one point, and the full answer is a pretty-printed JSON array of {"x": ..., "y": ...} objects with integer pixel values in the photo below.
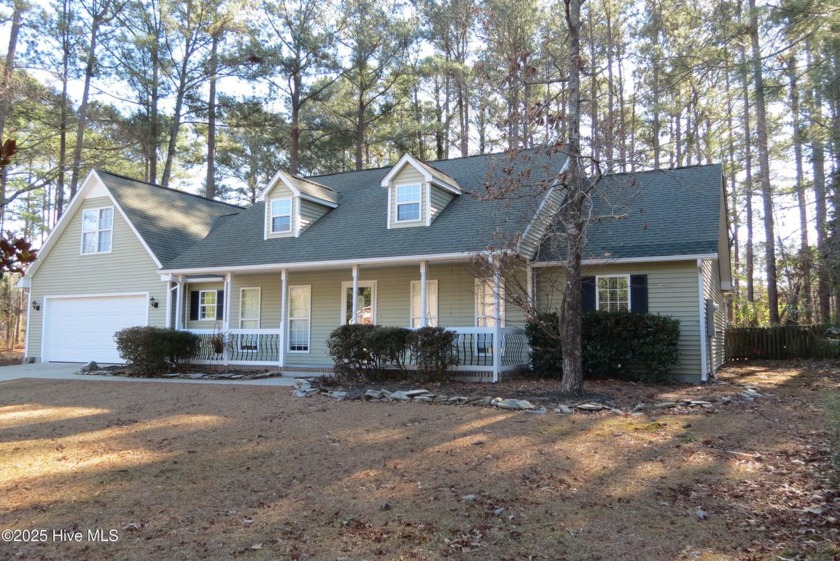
[
  {"x": 424, "y": 265},
  {"x": 355, "y": 312},
  {"x": 497, "y": 321},
  {"x": 228, "y": 291},
  {"x": 167, "y": 316},
  {"x": 529, "y": 280},
  {"x": 179, "y": 302},
  {"x": 284, "y": 304}
]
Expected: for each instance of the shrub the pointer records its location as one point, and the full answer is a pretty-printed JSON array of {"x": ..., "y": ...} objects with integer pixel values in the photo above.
[
  {"x": 387, "y": 347},
  {"x": 544, "y": 337},
  {"x": 348, "y": 348},
  {"x": 152, "y": 351},
  {"x": 433, "y": 351},
  {"x": 640, "y": 347}
]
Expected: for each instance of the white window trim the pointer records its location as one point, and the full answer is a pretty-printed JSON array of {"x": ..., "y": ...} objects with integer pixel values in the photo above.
[
  {"x": 433, "y": 313},
  {"x": 290, "y": 318},
  {"x": 362, "y": 284},
  {"x": 419, "y": 203},
  {"x": 257, "y": 319},
  {"x": 201, "y": 306},
  {"x": 272, "y": 216},
  {"x": 98, "y": 210},
  {"x": 598, "y": 292}
]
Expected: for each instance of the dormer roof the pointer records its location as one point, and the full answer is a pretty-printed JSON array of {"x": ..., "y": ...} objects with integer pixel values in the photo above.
[
  {"x": 430, "y": 174},
  {"x": 303, "y": 188}
]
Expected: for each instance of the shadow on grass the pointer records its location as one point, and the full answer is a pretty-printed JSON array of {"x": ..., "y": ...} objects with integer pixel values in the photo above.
[{"x": 210, "y": 473}]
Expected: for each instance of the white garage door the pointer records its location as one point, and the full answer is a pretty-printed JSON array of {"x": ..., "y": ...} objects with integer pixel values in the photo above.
[{"x": 82, "y": 329}]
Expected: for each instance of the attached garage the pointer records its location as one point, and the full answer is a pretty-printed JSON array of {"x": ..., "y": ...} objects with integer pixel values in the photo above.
[{"x": 80, "y": 329}]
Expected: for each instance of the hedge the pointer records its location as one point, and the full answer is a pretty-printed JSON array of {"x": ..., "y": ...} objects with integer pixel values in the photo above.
[{"x": 152, "y": 351}]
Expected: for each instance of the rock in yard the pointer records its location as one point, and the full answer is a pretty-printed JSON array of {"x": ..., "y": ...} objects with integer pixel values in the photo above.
[
  {"x": 339, "y": 395},
  {"x": 373, "y": 394},
  {"x": 301, "y": 384},
  {"x": 89, "y": 367},
  {"x": 591, "y": 407},
  {"x": 304, "y": 393},
  {"x": 399, "y": 396},
  {"x": 563, "y": 410},
  {"x": 702, "y": 514},
  {"x": 540, "y": 411},
  {"x": 468, "y": 498},
  {"x": 665, "y": 405},
  {"x": 512, "y": 404},
  {"x": 416, "y": 393}
]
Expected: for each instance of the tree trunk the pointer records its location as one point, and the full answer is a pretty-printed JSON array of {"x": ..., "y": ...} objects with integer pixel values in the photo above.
[
  {"x": 764, "y": 169},
  {"x": 6, "y": 94},
  {"x": 96, "y": 21},
  {"x": 571, "y": 214},
  {"x": 654, "y": 9},
  {"x": 814, "y": 102},
  {"x": 294, "y": 132},
  {"x": 210, "y": 188},
  {"x": 804, "y": 307},
  {"x": 62, "y": 125},
  {"x": 360, "y": 130},
  {"x": 733, "y": 192}
]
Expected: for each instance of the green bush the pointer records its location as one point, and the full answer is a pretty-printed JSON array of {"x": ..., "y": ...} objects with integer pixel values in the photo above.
[
  {"x": 543, "y": 334},
  {"x": 433, "y": 351},
  {"x": 348, "y": 348},
  {"x": 151, "y": 351},
  {"x": 387, "y": 347},
  {"x": 622, "y": 345},
  {"x": 641, "y": 347}
]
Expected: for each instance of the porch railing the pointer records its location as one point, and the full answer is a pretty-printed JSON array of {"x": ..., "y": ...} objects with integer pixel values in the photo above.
[
  {"x": 240, "y": 346},
  {"x": 474, "y": 346}
]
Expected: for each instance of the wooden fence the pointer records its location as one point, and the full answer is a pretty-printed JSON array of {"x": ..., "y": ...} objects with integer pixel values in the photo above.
[{"x": 782, "y": 342}]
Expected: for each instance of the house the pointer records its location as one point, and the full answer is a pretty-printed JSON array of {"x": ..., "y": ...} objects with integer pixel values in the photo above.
[{"x": 391, "y": 246}]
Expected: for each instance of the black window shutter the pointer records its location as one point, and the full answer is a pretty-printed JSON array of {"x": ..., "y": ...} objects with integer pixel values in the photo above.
[
  {"x": 587, "y": 285},
  {"x": 220, "y": 305},
  {"x": 639, "y": 294},
  {"x": 194, "y": 305}
]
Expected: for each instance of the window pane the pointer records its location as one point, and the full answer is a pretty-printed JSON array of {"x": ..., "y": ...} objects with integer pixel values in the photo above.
[
  {"x": 299, "y": 335},
  {"x": 106, "y": 218},
  {"x": 298, "y": 301},
  {"x": 408, "y": 212},
  {"x": 89, "y": 243},
  {"x": 89, "y": 221},
  {"x": 408, "y": 194},
  {"x": 431, "y": 303},
  {"x": 281, "y": 224},
  {"x": 104, "y": 240},
  {"x": 250, "y": 305},
  {"x": 281, "y": 206}
]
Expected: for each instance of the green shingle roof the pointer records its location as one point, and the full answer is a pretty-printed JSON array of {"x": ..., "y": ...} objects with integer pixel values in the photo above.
[
  {"x": 169, "y": 221},
  {"x": 660, "y": 213},
  {"x": 357, "y": 229}
]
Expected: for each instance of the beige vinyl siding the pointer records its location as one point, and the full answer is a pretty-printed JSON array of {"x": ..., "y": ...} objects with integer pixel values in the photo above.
[
  {"x": 205, "y": 324},
  {"x": 310, "y": 212},
  {"x": 711, "y": 286},
  {"x": 128, "y": 268},
  {"x": 673, "y": 290},
  {"x": 408, "y": 175},
  {"x": 439, "y": 199},
  {"x": 280, "y": 191}
]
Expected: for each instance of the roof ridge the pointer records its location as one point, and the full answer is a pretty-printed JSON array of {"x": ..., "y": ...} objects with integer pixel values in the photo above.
[
  {"x": 170, "y": 189},
  {"x": 661, "y": 170},
  {"x": 427, "y": 162}
]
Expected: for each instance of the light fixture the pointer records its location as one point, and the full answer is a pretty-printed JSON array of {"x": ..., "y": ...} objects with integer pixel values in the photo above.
[
  {"x": 36, "y": 305},
  {"x": 152, "y": 302}
]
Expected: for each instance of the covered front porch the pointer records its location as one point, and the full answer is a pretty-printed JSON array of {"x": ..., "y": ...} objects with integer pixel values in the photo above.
[{"x": 282, "y": 318}]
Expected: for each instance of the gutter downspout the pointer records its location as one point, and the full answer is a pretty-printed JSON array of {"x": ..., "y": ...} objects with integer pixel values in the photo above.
[{"x": 704, "y": 357}]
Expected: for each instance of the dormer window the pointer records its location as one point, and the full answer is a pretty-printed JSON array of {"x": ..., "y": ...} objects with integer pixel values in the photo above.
[
  {"x": 408, "y": 203},
  {"x": 281, "y": 216}
]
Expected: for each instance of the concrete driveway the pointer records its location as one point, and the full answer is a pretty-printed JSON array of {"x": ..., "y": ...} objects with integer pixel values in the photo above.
[{"x": 67, "y": 371}]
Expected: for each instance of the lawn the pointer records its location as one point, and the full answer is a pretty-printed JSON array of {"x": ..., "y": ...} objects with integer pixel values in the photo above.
[{"x": 113, "y": 471}]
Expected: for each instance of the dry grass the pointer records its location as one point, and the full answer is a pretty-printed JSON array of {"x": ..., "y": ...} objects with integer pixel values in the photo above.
[{"x": 189, "y": 472}]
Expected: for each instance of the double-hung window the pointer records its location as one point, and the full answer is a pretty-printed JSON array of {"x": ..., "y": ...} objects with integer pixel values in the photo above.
[
  {"x": 431, "y": 303},
  {"x": 207, "y": 302},
  {"x": 281, "y": 216},
  {"x": 408, "y": 203},
  {"x": 97, "y": 230},
  {"x": 613, "y": 293},
  {"x": 300, "y": 302}
]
